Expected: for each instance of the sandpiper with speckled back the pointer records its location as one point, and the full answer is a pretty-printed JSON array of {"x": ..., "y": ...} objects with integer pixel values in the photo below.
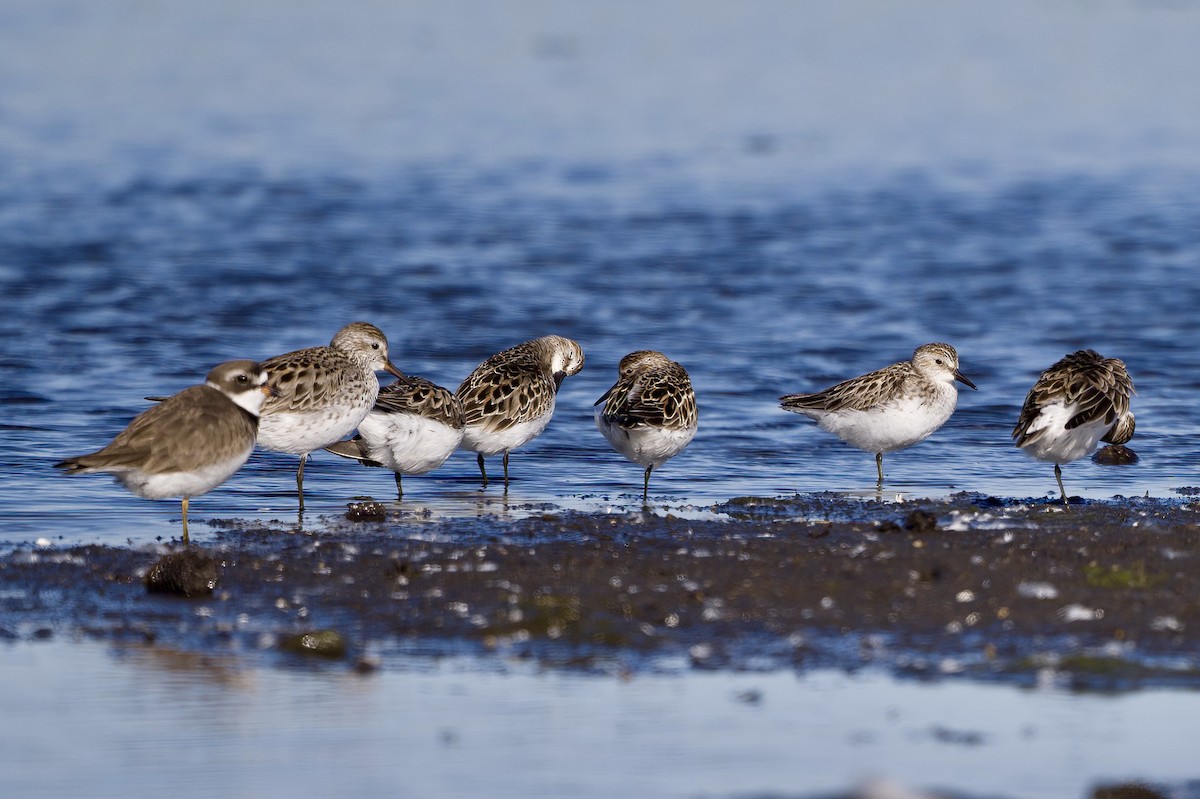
[
  {"x": 1078, "y": 402},
  {"x": 509, "y": 398},
  {"x": 891, "y": 408},
  {"x": 413, "y": 428},
  {"x": 649, "y": 415},
  {"x": 323, "y": 393}
]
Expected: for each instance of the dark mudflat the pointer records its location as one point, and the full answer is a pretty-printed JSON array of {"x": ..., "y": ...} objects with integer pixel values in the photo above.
[{"x": 1105, "y": 595}]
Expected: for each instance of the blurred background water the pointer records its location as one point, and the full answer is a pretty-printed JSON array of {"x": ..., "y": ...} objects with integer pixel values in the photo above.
[{"x": 779, "y": 195}]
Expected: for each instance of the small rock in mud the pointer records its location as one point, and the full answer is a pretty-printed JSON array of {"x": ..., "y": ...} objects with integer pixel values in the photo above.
[
  {"x": 370, "y": 511},
  {"x": 322, "y": 643},
  {"x": 1115, "y": 455},
  {"x": 187, "y": 573},
  {"x": 920, "y": 521}
]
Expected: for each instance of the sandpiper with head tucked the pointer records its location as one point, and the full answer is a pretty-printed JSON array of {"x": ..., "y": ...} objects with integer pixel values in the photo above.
[
  {"x": 413, "y": 429},
  {"x": 1078, "y": 402},
  {"x": 889, "y": 409},
  {"x": 323, "y": 393},
  {"x": 649, "y": 415},
  {"x": 188, "y": 444},
  {"x": 509, "y": 398}
]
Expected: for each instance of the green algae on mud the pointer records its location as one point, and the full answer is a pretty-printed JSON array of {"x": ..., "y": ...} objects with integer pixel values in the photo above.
[{"x": 969, "y": 585}]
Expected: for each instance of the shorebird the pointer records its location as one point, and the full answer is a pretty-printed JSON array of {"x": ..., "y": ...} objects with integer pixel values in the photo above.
[
  {"x": 188, "y": 444},
  {"x": 889, "y": 409},
  {"x": 509, "y": 398},
  {"x": 1078, "y": 402},
  {"x": 323, "y": 393},
  {"x": 413, "y": 429},
  {"x": 649, "y": 415}
]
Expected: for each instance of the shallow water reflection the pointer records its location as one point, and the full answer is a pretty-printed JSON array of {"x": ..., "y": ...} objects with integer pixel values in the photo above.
[{"x": 119, "y": 723}]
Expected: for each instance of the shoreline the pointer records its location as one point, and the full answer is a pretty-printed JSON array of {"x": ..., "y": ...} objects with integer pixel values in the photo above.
[{"x": 1098, "y": 597}]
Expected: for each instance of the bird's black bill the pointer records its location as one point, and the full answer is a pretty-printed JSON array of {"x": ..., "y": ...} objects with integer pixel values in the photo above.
[
  {"x": 960, "y": 377},
  {"x": 391, "y": 369}
]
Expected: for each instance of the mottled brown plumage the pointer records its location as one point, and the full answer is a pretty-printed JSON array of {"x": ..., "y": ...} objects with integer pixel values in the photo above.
[
  {"x": 651, "y": 389},
  {"x": 1122, "y": 431},
  {"x": 322, "y": 393},
  {"x": 1095, "y": 388},
  {"x": 889, "y": 409},
  {"x": 507, "y": 389},
  {"x": 508, "y": 399},
  {"x": 422, "y": 397},
  {"x": 1081, "y": 400},
  {"x": 413, "y": 428},
  {"x": 649, "y": 415},
  {"x": 341, "y": 373},
  {"x": 898, "y": 381}
]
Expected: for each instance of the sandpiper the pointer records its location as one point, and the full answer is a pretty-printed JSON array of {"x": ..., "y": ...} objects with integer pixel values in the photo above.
[
  {"x": 413, "y": 429},
  {"x": 323, "y": 393},
  {"x": 649, "y": 415},
  {"x": 509, "y": 398},
  {"x": 188, "y": 444},
  {"x": 1078, "y": 402},
  {"x": 889, "y": 409}
]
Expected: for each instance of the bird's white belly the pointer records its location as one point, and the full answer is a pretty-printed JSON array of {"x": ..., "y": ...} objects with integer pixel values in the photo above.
[
  {"x": 182, "y": 484},
  {"x": 1056, "y": 443},
  {"x": 408, "y": 443},
  {"x": 475, "y": 439},
  {"x": 645, "y": 445},
  {"x": 897, "y": 425},
  {"x": 308, "y": 431}
]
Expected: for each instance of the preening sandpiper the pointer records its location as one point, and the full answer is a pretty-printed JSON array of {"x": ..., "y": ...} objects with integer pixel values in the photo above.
[
  {"x": 1078, "y": 402},
  {"x": 649, "y": 415},
  {"x": 413, "y": 428},
  {"x": 509, "y": 398}
]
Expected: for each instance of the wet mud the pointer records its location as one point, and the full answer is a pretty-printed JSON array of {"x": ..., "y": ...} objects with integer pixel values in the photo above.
[{"x": 1104, "y": 595}]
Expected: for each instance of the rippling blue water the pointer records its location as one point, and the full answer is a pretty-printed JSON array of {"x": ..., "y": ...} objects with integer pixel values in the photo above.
[{"x": 747, "y": 191}]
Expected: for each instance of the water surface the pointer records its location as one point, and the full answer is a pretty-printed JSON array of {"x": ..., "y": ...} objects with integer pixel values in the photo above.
[
  {"x": 448, "y": 729},
  {"x": 746, "y": 191}
]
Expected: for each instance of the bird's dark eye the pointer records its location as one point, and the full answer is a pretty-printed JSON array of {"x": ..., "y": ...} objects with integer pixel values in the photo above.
[
  {"x": 375, "y": 346},
  {"x": 243, "y": 379},
  {"x": 938, "y": 361}
]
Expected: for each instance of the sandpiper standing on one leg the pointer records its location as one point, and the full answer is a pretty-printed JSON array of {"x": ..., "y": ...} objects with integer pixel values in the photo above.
[
  {"x": 323, "y": 393},
  {"x": 509, "y": 398},
  {"x": 1078, "y": 402},
  {"x": 649, "y": 415},
  {"x": 889, "y": 409},
  {"x": 188, "y": 444},
  {"x": 413, "y": 428}
]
